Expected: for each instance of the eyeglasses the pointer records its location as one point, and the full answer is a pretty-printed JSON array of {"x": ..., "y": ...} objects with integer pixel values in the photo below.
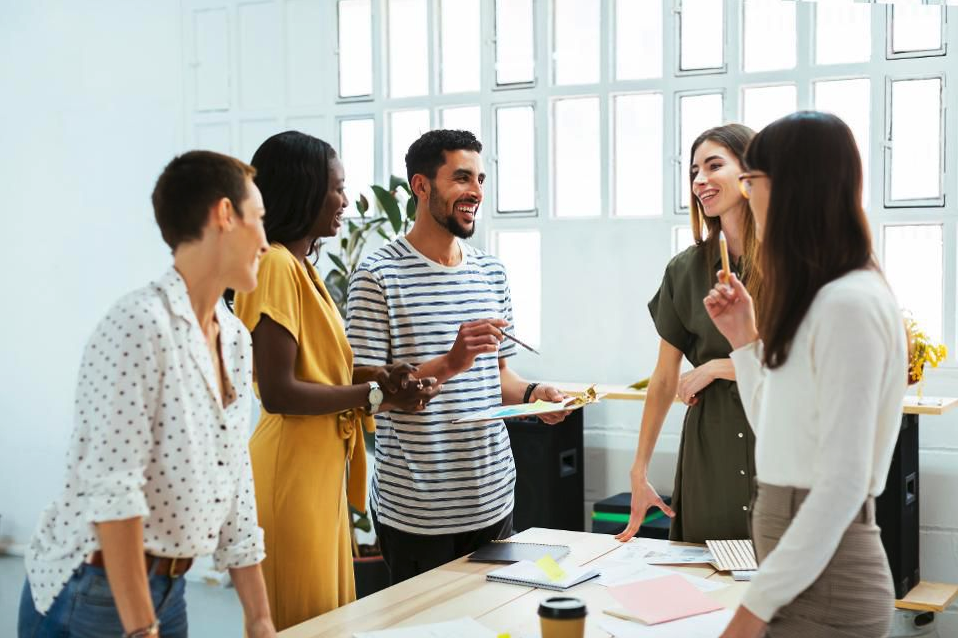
[{"x": 745, "y": 182}]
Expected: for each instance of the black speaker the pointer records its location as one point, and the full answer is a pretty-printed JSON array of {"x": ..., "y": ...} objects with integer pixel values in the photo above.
[
  {"x": 550, "y": 483},
  {"x": 896, "y": 510}
]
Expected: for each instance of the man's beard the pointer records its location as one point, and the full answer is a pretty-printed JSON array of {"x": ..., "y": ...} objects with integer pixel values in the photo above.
[{"x": 437, "y": 208}]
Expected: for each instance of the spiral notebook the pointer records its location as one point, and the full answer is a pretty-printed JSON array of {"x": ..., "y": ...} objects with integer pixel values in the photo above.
[{"x": 529, "y": 574}]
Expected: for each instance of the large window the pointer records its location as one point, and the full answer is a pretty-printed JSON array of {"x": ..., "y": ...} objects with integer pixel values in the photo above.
[{"x": 587, "y": 109}]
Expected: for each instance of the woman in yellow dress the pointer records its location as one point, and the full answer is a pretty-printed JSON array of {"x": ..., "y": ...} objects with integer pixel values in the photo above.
[{"x": 307, "y": 451}]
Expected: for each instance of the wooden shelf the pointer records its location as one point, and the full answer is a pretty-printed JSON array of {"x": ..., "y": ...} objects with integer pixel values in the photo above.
[
  {"x": 927, "y": 596},
  {"x": 929, "y": 405}
]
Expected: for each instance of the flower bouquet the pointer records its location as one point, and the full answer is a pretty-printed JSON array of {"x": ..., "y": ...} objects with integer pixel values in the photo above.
[{"x": 921, "y": 350}]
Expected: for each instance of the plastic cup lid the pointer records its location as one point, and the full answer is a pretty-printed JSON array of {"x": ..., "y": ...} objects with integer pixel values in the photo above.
[{"x": 561, "y": 608}]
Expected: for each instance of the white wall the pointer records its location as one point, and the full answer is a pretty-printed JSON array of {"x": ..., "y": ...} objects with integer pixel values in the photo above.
[{"x": 91, "y": 111}]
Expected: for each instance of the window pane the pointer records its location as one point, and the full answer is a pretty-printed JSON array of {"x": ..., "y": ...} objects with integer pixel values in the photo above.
[
  {"x": 915, "y": 28},
  {"x": 460, "y": 45},
  {"x": 842, "y": 32},
  {"x": 405, "y": 127},
  {"x": 696, "y": 114},
  {"x": 576, "y": 54},
  {"x": 463, "y": 118},
  {"x": 681, "y": 239},
  {"x": 515, "y": 42},
  {"x": 637, "y": 136},
  {"x": 913, "y": 266},
  {"x": 355, "y": 48},
  {"x": 408, "y": 48},
  {"x": 521, "y": 254},
  {"x": 702, "y": 34},
  {"x": 357, "y": 148},
  {"x": 577, "y": 157},
  {"x": 915, "y": 139},
  {"x": 769, "y": 35},
  {"x": 638, "y": 39},
  {"x": 515, "y": 159},
  {"x": 850, "y": 100},
  {"x": 762, "y": 105}
]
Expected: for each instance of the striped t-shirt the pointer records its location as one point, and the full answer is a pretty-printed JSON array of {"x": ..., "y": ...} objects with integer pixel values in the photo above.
[{"x": 432, "y": 476}]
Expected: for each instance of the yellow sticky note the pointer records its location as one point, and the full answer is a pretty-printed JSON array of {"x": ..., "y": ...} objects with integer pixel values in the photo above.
[
  {"x": 503, "y": 636},
  {"x": 551, "y": 568}
]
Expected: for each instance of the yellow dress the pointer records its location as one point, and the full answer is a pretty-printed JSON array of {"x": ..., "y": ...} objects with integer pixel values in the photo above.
[{"x": 300, "y": 462}]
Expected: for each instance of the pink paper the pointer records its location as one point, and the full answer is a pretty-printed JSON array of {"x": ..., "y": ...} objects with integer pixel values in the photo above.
[{"x": 662, "y": 599}]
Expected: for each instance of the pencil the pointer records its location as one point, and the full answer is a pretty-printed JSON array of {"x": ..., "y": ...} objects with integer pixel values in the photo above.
[
  {"x": 723, "y": 248},
  {"x": 511, "y": 338}
]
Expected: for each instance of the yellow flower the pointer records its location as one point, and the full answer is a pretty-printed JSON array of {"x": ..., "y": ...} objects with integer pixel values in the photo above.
[{"x": 922, "y": 351}]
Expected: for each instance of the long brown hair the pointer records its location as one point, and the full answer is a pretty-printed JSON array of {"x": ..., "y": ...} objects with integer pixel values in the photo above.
[
  {"x": 735, "y": 138},
  {"x": 815, "y": 229}
]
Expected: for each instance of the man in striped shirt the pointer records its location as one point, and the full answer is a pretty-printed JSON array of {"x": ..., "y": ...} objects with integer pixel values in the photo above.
[{"x": 440, "y": 489}]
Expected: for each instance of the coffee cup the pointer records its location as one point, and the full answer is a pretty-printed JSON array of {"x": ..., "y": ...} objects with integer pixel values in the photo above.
[{"x": 562, "y": 617}]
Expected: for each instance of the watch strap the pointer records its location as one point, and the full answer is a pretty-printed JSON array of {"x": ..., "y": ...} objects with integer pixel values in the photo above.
[{"x": 529, "y": 390}]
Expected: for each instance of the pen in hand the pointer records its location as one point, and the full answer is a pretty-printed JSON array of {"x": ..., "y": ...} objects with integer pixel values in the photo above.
[{"x": 512, "y": 338}]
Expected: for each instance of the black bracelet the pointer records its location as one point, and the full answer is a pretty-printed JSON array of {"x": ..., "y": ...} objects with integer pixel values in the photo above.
[{"x": 529, "y": 390}]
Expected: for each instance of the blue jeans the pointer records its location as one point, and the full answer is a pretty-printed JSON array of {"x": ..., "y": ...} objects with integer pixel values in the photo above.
[{"x": 86, "y": 609}]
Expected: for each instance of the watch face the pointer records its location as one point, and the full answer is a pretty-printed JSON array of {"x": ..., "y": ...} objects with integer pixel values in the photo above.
[{"x": 375, "y": 396}]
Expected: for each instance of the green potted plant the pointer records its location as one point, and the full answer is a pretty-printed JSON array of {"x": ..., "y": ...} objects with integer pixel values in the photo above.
[{"x": 388, "y": 220}]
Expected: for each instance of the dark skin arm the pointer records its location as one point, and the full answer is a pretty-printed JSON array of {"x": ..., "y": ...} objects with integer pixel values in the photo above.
[{"x": 274, "y": 357}]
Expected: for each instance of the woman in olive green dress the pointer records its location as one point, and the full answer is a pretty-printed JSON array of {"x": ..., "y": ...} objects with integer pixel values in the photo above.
[{"x": 716, "y": 462}]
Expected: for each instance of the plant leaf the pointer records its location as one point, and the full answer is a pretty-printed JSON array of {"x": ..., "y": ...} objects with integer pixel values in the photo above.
[
  {"x": 362, "y": 204},
  {"x": 390, "y": 206},
  {"x": 395, "y": 182},
  {"x": 338, "y": 263}
]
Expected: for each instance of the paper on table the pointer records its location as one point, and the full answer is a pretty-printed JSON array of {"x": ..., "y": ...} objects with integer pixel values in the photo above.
[
  {"x": 662, "y": 599},
  {"x": 532, "y": 409},
  {"x": 709, "y": 625},
  {"x": 461, "y": 628},
  {"x": 614, "y": 571},
  {"x": 655, "y": 552}
]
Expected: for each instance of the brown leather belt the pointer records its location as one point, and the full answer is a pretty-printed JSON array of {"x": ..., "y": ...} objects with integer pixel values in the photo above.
[{"x": 171, "y": 567}]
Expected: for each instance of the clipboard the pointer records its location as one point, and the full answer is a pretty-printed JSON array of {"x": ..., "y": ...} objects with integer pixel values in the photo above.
[{"x": 532, "y": 409}]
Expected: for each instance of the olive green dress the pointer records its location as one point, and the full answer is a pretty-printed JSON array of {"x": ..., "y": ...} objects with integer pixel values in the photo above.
[{"x": 716, "y": 464}]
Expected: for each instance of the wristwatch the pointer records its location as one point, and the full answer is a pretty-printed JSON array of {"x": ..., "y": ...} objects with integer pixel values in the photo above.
[
  {"x": 375, "y": 397},
  {"x": 146, "y": 632}
]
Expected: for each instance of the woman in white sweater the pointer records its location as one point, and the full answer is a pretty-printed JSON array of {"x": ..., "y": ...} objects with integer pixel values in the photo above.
[{"x": 822, "y": 376}]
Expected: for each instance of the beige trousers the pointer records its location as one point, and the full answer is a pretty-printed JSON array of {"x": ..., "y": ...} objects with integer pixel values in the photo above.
[{"x": 854, "y": 596}]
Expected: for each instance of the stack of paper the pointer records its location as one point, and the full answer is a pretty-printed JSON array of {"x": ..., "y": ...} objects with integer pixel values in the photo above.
[
  {"x": 735, "y": 555},
  {"x": 660, "y": 600},
  {"x": 616, "y": 571},
  {"x": 658, "y": 552},
  {"x": 709, "y": 625}
]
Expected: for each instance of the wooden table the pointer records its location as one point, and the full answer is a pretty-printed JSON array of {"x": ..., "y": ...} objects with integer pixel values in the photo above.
[
  {"x": 624, "y": 393},
  {"x": 460, "y": 588}
]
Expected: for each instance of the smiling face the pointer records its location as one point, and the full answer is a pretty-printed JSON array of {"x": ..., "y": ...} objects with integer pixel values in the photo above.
[
  {"x": 714, "y": 174},
  {"x": 334, "y": 205},
  {"x": 456, "y": 192}
]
